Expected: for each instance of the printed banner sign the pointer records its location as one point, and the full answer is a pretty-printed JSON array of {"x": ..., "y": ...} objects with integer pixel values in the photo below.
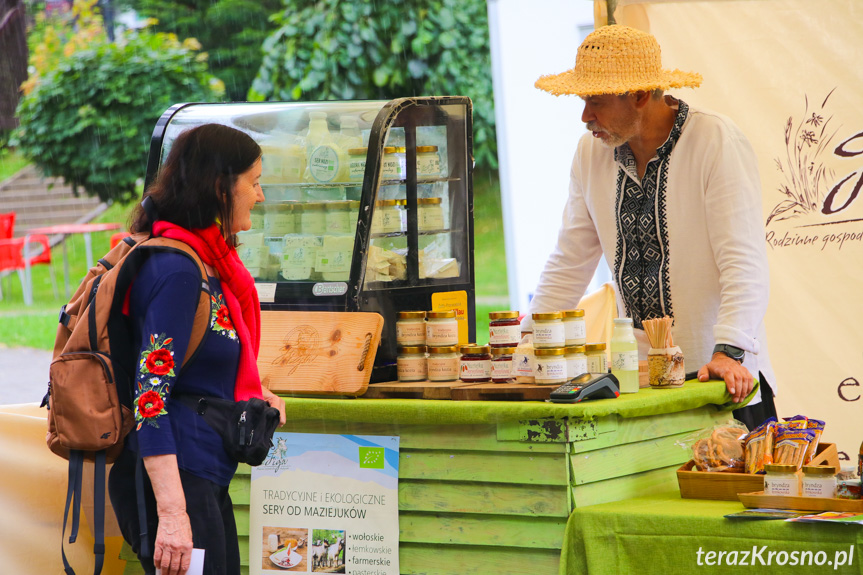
[
  {"x": 326, "y": 504},
  {"x": 788, "y": 73}
]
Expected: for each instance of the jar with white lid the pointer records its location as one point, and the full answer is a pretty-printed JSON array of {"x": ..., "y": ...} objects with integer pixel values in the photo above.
[
  {"x": 548, "y": 330},
  {"x": 357, "y": 163},
  {"x": 504, "y": 329},
  {"x": 443, "y": 363},
  {"x": 550, "y": 366},
  {"x": 574, "y": 327},
  {"x": 597, "y": 360},
  {"x": 411, "y": 328},
  {"x": 393, "y": 163},
  {"x": 428, "y": 161},
  {"x": 411, "y": 363},
  {"x": 781, "y": 479},
  {"x": 819, "y": 481},
  {"x": 576, "y": 361},
  {"x": 387, "y": 218},
  {"x": 441, "y": 328},
  {"x": 430, "y": 214}
]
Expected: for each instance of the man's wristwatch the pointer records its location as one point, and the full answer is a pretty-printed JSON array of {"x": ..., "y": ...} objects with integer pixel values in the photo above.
[{"x": 734, "y": 353}]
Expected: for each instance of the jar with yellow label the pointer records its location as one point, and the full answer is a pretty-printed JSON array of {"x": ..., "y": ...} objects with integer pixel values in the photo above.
[
  {"x": 411, "y": 328},
  {"x": 548, "y": 330},
  {"x": 411, "y": 363},
  {"x": 441, "y": 328},
  {"x": 386, "y": 218},
  {"x": 443, "y": 363},
  {"x": 430, "y": 214},
  {"x": 550, "y": 367},
  {"x": 428, "y": 161},
  {"x": 597, "y": 359}
]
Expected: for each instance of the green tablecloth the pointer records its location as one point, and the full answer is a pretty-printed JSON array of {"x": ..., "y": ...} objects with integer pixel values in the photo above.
[
  {"x": 663, "y": 534},
  {"x": 692, "y": 395}
]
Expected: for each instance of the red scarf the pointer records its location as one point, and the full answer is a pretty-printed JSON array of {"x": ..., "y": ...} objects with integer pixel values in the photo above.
[{"x": 240, "y": 294}]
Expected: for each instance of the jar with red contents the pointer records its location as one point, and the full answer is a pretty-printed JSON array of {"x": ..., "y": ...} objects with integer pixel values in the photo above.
[
  {"x": 504, "y": 329},
  {"x": 501, "y": 364},
  {"x": 475, "y": 364}
]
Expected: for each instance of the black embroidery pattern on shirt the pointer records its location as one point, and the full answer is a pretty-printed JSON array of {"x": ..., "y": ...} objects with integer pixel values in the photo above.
[{"x": 641, "y": 261}]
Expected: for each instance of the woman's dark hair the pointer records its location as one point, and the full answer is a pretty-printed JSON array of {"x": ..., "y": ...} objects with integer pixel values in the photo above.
[{"x": 194, "y": 187}]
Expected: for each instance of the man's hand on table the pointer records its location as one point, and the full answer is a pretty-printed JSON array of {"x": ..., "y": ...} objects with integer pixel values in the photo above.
[{"x": 738, "y": 380}]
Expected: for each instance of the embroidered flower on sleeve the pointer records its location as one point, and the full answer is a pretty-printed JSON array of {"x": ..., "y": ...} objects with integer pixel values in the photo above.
[
  {"x": 150, "y": 405},
  {"x": 220, "y": 319},
  {"x": 156, "y": 369}
]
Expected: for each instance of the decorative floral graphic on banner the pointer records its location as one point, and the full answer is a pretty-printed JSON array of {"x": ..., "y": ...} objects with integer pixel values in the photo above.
[
  {"x": 805, "y": 174},
  {"x": 821, "y": 209}
]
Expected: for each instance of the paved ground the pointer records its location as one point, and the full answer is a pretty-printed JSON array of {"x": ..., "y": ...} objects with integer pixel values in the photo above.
[{"x": 23, "y": 374}]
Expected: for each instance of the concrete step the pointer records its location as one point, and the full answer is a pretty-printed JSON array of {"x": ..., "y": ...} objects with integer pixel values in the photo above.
[{"x": 39, "y": 201}]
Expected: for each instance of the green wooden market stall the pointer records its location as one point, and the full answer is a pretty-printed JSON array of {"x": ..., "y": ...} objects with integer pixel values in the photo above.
[{"x": 487, "y": 487}]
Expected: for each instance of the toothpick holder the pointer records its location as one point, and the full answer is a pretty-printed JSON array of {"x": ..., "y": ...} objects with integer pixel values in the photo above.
[{"x": 665, "y": 367}]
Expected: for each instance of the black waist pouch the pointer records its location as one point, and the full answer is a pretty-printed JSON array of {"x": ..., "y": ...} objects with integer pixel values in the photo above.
[{"x": 246, "y": 427}]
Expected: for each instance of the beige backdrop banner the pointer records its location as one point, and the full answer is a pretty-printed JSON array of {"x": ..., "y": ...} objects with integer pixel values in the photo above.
[{"x": 788, "y": 73}]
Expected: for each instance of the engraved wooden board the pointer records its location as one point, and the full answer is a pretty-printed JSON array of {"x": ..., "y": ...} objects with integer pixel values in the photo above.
[{"x": 318, "y": 352}]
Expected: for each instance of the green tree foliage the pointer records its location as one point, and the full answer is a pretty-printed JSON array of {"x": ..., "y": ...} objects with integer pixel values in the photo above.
[
  {"x": 89, "y": 119},
  {"x": 356, "y": 49},
  {"x": 230, "y": 31}
]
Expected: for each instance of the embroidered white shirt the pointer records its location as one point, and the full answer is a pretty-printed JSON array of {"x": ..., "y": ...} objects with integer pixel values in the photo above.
[{"x": 716, "y": 262}]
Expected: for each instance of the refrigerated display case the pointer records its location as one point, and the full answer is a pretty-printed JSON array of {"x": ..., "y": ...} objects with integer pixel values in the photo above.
[{"x": 369, "y": 204}]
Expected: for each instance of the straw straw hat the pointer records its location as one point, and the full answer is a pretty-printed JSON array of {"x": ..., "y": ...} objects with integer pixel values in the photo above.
[{"x": 614, "y": 60}]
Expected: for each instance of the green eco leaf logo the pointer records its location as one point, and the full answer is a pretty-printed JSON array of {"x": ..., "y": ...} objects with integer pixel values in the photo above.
[{"x": 372, "y": 457}]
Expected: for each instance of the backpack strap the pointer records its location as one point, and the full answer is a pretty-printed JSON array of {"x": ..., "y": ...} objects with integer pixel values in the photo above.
[
  {"x": 73, "y": 502},
  {"x": 202, "y": 311}
]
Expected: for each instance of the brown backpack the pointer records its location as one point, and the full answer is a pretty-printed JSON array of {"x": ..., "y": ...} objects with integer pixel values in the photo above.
[{"x": 93, "y": 370}]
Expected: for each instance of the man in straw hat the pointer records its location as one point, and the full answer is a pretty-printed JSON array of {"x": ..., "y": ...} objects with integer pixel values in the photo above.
[{"x": 671, "y": 195}]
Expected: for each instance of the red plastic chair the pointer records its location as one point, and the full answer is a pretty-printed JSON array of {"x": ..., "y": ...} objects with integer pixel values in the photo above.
[
  {"x": 19, "y": 255},
  {"x": 7, "y": 225}
]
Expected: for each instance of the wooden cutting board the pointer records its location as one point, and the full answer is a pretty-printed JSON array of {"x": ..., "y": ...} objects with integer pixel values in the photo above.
[{"x": 318, "y": 352}]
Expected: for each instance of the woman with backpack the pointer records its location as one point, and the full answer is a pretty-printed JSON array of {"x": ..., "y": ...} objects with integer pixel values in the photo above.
[{"x": 203, "y": 196}]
